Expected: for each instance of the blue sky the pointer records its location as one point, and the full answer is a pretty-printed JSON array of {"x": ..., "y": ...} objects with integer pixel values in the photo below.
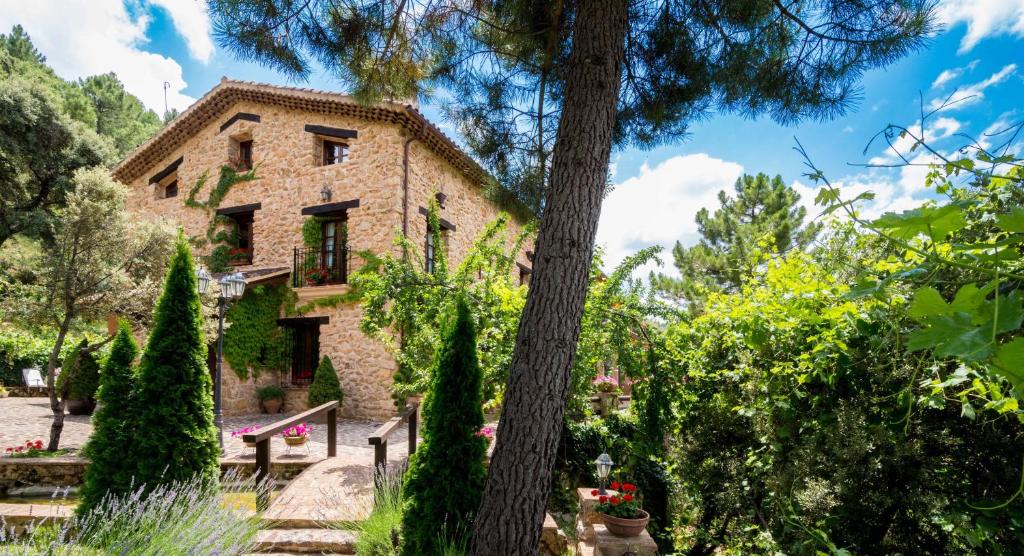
[{"x": 658, "y": 192}]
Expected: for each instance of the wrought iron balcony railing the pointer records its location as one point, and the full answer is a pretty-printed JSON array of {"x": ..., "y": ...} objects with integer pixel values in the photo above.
[{"x": 315, "y": 266}]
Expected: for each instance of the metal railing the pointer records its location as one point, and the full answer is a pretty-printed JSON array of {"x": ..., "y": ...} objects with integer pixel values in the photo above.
[
  {"x": 313, "y": 266},
  {"x": 379, "y": 439},
  {"x": 262, "y": 440}
]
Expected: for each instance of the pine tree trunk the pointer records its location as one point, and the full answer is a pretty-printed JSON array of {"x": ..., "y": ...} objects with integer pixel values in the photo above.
[{"x": 512, "y": 512}]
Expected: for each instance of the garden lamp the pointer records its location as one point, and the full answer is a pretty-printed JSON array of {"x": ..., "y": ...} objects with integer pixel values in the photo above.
[
  {"x": 325, "y": 194},
  {"x": 232, "y": 286},
  {"x": 604, "y": 467},
  {"x": 237, "y": 285},
  {"x": 203, "y": 277}
]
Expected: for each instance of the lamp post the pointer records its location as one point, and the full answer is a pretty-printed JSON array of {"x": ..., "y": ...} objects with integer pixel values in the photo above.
[
  {"x": 232, "y": 286},
  {"x": 604, "y": 465}
]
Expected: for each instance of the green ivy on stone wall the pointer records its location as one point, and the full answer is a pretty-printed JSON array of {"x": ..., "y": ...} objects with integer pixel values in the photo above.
[
  {"x": 254, "y": 342},
  {"x": 221, "y": 231}
]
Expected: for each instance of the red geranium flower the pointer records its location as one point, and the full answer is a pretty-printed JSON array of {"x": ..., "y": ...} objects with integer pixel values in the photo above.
[
  {"x": 615, "y": 500},
  {"x": 602, "y": 499},
  {"x": 629, "y": 487},
  {"x": 628, "y": 498},
  {"x": 615, "y": 485},
  {"x": 595, "y": 492}
]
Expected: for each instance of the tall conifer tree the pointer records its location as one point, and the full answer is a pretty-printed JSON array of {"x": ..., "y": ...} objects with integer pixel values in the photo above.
[
  {"x": 446, "y": 474},
  {"x": 175, "y": 436},
  {"x": 111, "y": 469}
]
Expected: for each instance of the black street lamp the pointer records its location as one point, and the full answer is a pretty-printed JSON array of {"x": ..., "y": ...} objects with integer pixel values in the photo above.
[{"x": 232, "y": 286}]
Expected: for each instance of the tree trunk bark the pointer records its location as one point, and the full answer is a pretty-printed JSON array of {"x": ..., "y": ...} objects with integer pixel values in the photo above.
[
  {"x": 512, "y": 512},
  {"x": 56, "y": 401}
]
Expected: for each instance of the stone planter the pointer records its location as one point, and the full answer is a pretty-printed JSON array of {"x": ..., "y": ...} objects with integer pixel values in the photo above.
[
  {"x": 296, "y": 440},
  {"x": 273, "y": 405},
  {"x": 607, "y": 402},
  {"x": 81, "y": 406},
  {"x": 622, "y": 527}
]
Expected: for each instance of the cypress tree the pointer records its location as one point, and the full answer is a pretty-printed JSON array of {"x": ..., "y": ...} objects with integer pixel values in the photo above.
[
  {"x": 109, "y": 469},
  {"x": 175, "y": 437},
  {"x": 325, "y": 387},
  {"x": 446, "y": 476}
]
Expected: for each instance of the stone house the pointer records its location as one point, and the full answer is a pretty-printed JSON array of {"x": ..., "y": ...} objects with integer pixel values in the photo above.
[{"x": 364, "y": 172}]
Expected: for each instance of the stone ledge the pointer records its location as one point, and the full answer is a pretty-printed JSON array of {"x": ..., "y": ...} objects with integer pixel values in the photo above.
[{"x": 309, "y": 293}]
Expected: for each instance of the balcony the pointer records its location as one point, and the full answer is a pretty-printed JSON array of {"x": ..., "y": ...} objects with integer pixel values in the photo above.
[{"x": 315, "y": 266}]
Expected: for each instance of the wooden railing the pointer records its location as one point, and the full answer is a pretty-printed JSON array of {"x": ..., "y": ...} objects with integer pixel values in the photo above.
[
  {"x": 264, "y": 434},
  {"x": 379, "y": 439}
]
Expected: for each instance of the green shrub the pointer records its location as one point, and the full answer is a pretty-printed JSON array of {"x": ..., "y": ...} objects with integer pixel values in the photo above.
[
  {"x": 175, "y": 438},
  {"x": 325, "y": 387},
  {"x": 270, "y": 393},
  {"x": 109, "y": 470},
  {"x": 380, "y": 532},
  {"x": 446, "y": 476},
  {"x": 80, "y": 373},
  {"x": 22, "y": 349}
]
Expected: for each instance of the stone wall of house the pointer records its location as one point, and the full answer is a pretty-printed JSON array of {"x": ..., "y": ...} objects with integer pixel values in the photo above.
[{"x": 290, "y": 177}]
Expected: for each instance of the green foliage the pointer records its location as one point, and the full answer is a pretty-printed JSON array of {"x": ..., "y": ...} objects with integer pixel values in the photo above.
[
  {"x": 110, "y": 472},
  {"x": 765, "y": 217},
  {"x": 312, "y": 232},
  {"x": 325, "y": 386},
  {"x": 221, "y": 233},
  {"x": 803, "y": 425},
  {"x": 380, "y": 532},
  {"x": 254, "y": 342},
  {"x": 80, "y": 373},
  {"x": 22, "y": 349},
  {"x": 51, "y": 127},
  {"x": 446, "y": 476},
  {"x": 270, "y": 392},
  {"x": 404, "y": 306},
  {"x": 174, "y": 405}
]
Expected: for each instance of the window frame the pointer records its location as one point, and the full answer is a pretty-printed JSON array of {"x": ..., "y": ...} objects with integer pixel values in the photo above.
[
  {"x": 327, "y": 146},
  {"x": 245, "y": 152}
]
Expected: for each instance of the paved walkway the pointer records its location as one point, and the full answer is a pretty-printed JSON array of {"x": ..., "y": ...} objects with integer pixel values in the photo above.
[{"x": 24, "y": 419}]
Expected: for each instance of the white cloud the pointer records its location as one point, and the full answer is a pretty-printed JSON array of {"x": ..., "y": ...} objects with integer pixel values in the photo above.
[
  {"x": 974, "y": 92},
  {"x": 953, "y": 73},
  {"x": 193, "y": 23},
  {"x": 983, "y": 18},
  {"x": 658, "y": 206},
  {"x": 82, "y": 37}
]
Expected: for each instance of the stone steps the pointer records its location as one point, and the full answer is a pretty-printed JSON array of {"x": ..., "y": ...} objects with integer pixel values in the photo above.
[{"x": 305, "y": 541}]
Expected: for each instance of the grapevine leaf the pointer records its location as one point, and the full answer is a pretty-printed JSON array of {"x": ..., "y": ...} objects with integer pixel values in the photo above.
[
  {"x": 928, "y": 302},
  {"x": 952, "y": 336},
  {"x": 1009, "y": 362},
  {"x": 1010, "y": 314},
  {"x": 934, "y": 222},
  {"x": 968, "y": 298},
  {"x": 1012, "y": 221}
]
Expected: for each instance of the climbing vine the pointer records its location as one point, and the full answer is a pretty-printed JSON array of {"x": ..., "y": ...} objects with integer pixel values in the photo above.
[
  {"x": 254, "y": 342},
  {"x": 221, "y": 232}
]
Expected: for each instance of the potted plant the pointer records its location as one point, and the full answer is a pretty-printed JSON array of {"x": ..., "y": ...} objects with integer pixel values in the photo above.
[
  {"x": 297, "y": 435},
  {"x": 620, "y": 511},
  {"x": 317, "y": 276},
  {"x": 239, "y": 256},
  {"x": 79, "y": 379},
  {"x": 271, "y": 398},
  {"x": 238, "y": 433},
  {"x": 607, "y": 394}
]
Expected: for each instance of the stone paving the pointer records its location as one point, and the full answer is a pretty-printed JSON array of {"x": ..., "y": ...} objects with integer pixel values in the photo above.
[{"x": 24, "y": 419}]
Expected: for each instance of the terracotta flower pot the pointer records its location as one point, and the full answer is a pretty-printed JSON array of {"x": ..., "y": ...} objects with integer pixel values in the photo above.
[
  {"x": 623, "y": 527},
  {"x": 83, "y": 406},
  {"x": 296, "y": 440},
  {"x": 273, "y": 405}
]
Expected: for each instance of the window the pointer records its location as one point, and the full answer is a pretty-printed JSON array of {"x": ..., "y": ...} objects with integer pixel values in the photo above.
[
  {"x": 242, "y": 253},
  {"x": 334, "y": 249},
  {"x": 334, "y": 152},
  {"x": 245, "y": 154},
  {"x": 171, "y": 189}
]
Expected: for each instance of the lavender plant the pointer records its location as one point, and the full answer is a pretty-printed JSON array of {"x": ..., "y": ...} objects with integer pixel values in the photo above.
[{"x": 176, "y": 519}]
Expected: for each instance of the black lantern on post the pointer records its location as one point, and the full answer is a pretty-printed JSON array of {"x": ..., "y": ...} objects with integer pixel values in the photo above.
[
  {"x": 232, "y": 286},
  {"x": 604, "y": 465}
]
